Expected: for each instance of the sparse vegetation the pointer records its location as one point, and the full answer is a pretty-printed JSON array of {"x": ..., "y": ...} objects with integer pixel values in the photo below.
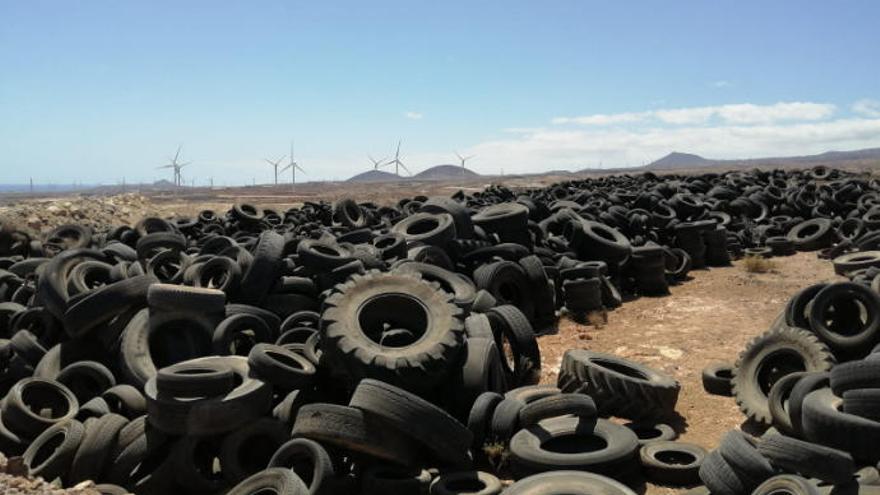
[
  {"x": 496, "y": 454},
  {"x": 758, "y": 264}
]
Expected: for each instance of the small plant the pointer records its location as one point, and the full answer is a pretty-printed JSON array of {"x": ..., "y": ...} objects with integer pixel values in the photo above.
[
  {"x": 758, "y": 264},
  {"x": 496, "y": 453}
]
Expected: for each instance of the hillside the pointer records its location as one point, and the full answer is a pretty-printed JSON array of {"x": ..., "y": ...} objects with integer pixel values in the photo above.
[
  {"x": 444, "y": 172},
  {"x": 375, "y": 176},
  {"x": 678, "y": 160}
]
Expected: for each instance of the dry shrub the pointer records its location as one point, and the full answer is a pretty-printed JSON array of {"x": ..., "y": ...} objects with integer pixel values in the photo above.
[{"x": 758, "y": 264}]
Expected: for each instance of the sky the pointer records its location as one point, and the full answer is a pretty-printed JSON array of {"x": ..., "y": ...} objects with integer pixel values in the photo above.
[{"x": 98, "y": 91}]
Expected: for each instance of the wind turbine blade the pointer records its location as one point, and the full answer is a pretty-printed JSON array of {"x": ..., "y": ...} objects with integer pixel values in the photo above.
[
  {"x": 270, "y": 162},
  {"x": 300, "y": 169},
  {"x": 397, "y": 155},
  {"x": 459, "y": 156},
  {"x": 285, "y": 168},
  {"x": 165, "y": 166},
  {"x": 177, "y": 155}
]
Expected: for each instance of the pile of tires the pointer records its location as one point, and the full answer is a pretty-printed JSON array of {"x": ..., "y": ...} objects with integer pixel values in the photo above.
[{"x": 358, "y": 348}]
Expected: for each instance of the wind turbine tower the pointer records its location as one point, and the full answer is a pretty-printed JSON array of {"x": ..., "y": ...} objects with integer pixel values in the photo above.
[
  {"x": 176, "y": 166},
  {"x": 293, "y": 166},
  {"x": 397, "y": 163},
  {"x": 275, "y": 165},
  {"x": 463, "y": 159}
]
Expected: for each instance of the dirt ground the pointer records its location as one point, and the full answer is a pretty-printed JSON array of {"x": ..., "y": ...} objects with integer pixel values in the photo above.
[{"x": 707, "y": 319}]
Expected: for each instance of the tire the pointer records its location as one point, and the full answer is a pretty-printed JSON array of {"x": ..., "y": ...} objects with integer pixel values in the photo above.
[
  {"x": 26, "y": 346},
  {"x": 510, "y": 325},
  {"x": 568, "y": 482},
  {"x": 283, "y": 369},
  {"x": 92, "y": 455},
  {"x": 719, "y": 477},
  {"x": 277, "y": 481},
  {"x": 125, "y": 400},
  {"x": 849, "y": 342},
  {"x": 863, "y": 402},
  {"x": 250, "y": 448},
  {"x": 648, "y": 432},
  {"x": 384, "y": 480},
  {"x": 322, "y": 256},
  {"x": 248, "y": 401},
  {"x": 508, "y": 284},
  {"x": 478, "y": 326},
  {"x": 50, "y": 454},
  {"x": 481, "y": 372},
  {"x": 350, "y": 214},
  {"x": 293, "y": 453},
  {"x": 354, "y": 317},
  {"x": 808, "y": 459},
  {"x": 620, "y": 387},
  {"x": 811, "y": 235},
  {"x": 30, "y": 394},
  {"x": 769, "y": 357},
  {"x": 104, "y": 304},
  {"x": 807, "y": 384},
  {"x": 855, "y": 375},
  {"x": 194, "y": 380},
  {"x": 672, "y": 463},
  {"x": 426, "y": 228},
  {"x": 86, "y": 379},
  {"x": 238, "y": 334},
  {"x": 464, "y": 227},
  {"x": 741, "y": 454},
  {"x": 542, "y": 291},
  {"x": 796, "y": 309},
  {"x": 777, "y": 401},
  {"x": 480, "y": 418},
  {"x": 825, "y": 424},
  {"x": 529, "y": 453},
  {"x": 594, "y": 240},
  {"x": 505, "y": 420},
  {"x": 352, "y": 430},
  {"x": 462, "y": 289},
  {"x": 466, "y": 483},
  {"x": 193, "y": 459},
  {"x": 173, "y": 297},
  {"x": 787, "y": 484},
  {"x": 717, "y": 379},
  {"x": 435, "y": 430},
  {"x": 577, "y": 405},
  {"x": 265, "y": 270}
]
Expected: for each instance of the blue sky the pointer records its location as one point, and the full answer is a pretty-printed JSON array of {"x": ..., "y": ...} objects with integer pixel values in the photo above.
[{"x": 94, "y": 91}]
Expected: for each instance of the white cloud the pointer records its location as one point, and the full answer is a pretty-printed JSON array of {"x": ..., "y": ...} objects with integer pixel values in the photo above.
[
  {"x": 413, "y": 115},
  {"x": 721, "y": 84},
  {"x": 867, "y": 107},
  {"x": 742, "y": 113},
  {"x": 616, "y": 147}
]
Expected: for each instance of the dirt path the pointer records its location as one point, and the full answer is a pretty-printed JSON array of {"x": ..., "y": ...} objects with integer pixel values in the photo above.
[{"x": 709, "y": 318}]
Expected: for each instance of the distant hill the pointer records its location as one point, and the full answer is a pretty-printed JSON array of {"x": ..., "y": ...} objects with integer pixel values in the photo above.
[
  {"x": 375, "y": 176},
  {"x": 679, "y": 160},
  {"x": 444, "y": 172}
]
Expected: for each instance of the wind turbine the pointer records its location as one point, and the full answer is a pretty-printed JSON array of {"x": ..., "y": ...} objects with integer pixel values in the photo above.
[
  {"x": 176, "y": 166},
  {"x": 275, "y": 165},
  {"x": 293, "y": 166},
  {"x": 397, "y": 163},
  {"x": 463, "y": 159},
  {"x": 377, "y": 163}
]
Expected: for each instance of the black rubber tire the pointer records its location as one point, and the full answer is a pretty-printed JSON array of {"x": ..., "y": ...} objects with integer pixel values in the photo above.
[
  {"x": 251, "y": 399},
  {"x": 301, "y": 453},
  {"x": 480, "y": 418},
  {"x": 864, "y": 403},
  {"x": 322, "y": 256},
  {"x": 649, "y": 432},
  {"x": 248, "y": 449},
  {"x": 577, "y": 405},
  {"x": 787, "y": 484},
  {"x": 462, "y": 289},
  {"x": 595, "y": 240},
  {"x": 508, "y": 284},
  {"x": 25, "y": 404},
  {"x": 194, "y": 459},
  {"x": 350, "y": 214},
  {"x": 620, "y": 387},
  {"x": 92, "y": 456},
  {"x": 808, "y": 383},
  {"x": 194, "y": 380},
  {"x": 438, "y": 432},
  {"x": 808, "y": 459},
  {"x": 852, "y": 343},
  {"x": 505, "y": 420},
  {"x": 426, "y": 228},
  {"x": 741, "y": 454},
  {"x": 466, "y": 483},
  {"x": 719, "y": 477},
  {"x": 672, "y": 463},
  {"x": 86, "y": 379},
  {"x": 511, "y": 326},
  {"x": 478, "y": 326},
  {"x": 352, "y": 430},
  {"x": 94, "y": 408},
  {"x": 855, "y": 375},
  {"x": 812, "y": 234},
  {"x": 542, "y": 291},
  {"x": 102, "y": 305},
  {"x": 777, "y": 401},
  {"x": 125, "y": 400},
  {"x": 717, "y": 379},
  {"x": 402, "y": 301},
  {"x": 481, "y": 371},
  {"x": 796, "y": 309},
  {"x": 529, "y": 456},
  {"x": 824, "y": 423},
  {"x": 283, "y": 369},
  {"x": 50, "y": 454},
  {"x": 26, "y": 346},
  {"x": 265, "y": 269},
  {"x": 384, "y": 480},
  {"x": 238, "y": 334},
  {"x": 788, "y": 350},
  {"x": 172, "y": 297},
  {"x": 278, "y": 481},
  {"x": 569, "y": 483}
]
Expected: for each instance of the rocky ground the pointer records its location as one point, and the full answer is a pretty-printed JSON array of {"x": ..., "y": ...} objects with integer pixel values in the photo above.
[{"x": 14, "y": 482}]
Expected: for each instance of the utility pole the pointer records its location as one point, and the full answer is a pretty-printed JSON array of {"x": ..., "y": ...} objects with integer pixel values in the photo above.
[{"x": 32, "y": 185}]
